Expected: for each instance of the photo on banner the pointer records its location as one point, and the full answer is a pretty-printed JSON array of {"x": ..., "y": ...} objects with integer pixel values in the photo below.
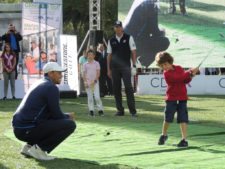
[{"x": 41, "y": 27}]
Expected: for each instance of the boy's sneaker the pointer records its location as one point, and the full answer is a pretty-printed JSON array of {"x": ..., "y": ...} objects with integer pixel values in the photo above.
[
  {"x": 91, "y": 113},
  {"x": 36, "y": 152},
  {"x": 162, "y": 139},
  {"x": 4, "y": 98},
  {"x": 100, "y": 113},
  {"x": 25, "y": 150},
  {"x": 182, "y": 143}
]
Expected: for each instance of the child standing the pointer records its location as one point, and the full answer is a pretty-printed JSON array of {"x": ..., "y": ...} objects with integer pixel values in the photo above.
[
  {"x": 176, "y": 95},
  {"x": 9, "y": 70},
  {"x": 91, "y": 73}
]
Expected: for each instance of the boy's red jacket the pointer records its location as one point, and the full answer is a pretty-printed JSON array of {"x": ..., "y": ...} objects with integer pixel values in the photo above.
[{"x": 176, "y": 80}]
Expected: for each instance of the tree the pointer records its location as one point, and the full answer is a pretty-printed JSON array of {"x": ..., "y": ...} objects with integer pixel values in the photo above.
[{"x": 76, "y": 17}]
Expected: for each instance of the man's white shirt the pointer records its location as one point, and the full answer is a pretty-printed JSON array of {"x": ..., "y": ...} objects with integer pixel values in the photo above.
[{"x": 131, "y": 44}]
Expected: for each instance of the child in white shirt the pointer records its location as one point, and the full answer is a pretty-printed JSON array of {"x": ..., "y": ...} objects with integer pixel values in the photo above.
[{"x": 91, "y": 74}]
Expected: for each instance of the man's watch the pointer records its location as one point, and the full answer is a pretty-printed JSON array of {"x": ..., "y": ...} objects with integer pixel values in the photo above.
[{"x": 134, "y": 66}]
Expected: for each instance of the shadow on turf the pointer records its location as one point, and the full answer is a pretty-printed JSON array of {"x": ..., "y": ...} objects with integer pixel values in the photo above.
[
  {"x": 60, "y": 163},
  {"x": 208, "y": 134},
  {"x": 3, "y": 167},
  {"x": 206, "y": 7},
  {"x": 202, "y": 148}
]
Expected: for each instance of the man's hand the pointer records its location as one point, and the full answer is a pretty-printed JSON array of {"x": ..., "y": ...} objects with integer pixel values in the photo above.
[
  {"x": 71, "y": 116},
  {"x": 109, "y": 73},
  {"x": 194, "y": 71},
  {"x": 85, "y": 84},
  {"x": 133, "y": 71}
]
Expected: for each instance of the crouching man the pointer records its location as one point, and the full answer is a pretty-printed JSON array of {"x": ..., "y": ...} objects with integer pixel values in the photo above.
[{"x": 38, "y": 120}]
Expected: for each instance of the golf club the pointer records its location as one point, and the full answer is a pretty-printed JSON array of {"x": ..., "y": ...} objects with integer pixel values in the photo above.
[{"x": 205, "y": 57}]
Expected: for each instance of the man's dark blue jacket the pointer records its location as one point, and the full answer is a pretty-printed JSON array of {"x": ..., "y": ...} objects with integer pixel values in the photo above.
[{"x": 41, "y": 103}]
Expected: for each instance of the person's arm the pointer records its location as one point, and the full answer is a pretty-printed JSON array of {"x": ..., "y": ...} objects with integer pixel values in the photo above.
[
  {"x": 84, "y": 76},
  {"x": 4, "y": 37},
  {"x": 4, "y": 66},
  {"x": 179, "y": 77},
  {"x": 18, "y": 36},
  {"x": 14, "y": 64},
  {"x": 53, "y": 103},
  {"x": 134, "y": 57},
  {"x": 109, "y": 59},
  {"x": 133, "y": 51},
  {"x": 98, "y": 72}
]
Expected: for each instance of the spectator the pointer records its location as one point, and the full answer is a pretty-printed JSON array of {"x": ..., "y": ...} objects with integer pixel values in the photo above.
[
  {"x": 44, "y": 59},
  {"x": 38, "y": 120},
  {"x": 212, "y": 71},
  {"x": 53, "y": 57},
  {"x": 30, "y": 64},
  {"x": 82, "y": 61},
  {"x": 35, "y": 53},
  {"x": 13, "y": 37},
  {"x": 222, "y": 71},
  {"x": 104, "y": 81},
  {"x": 9, "y": 66},
  {"x": 91, "y": 73},
  {"x": 121, "y": 49}
]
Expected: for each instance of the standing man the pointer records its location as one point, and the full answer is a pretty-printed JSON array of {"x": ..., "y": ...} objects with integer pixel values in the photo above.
[
  {"x": 13, "y": 37},
  {"x": 38, "y": 120},
  {"x": 121, "y": 50},
  {"x": 104, "y": 81}
]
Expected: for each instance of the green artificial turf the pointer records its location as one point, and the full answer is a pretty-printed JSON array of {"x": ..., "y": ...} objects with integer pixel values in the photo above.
[{"x": 126, "y": 142}]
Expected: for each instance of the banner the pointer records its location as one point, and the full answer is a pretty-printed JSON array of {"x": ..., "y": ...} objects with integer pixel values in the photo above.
[
  {"x": 200, "y": 85},
  {"x": 40, "y": 17},
  {"x": 19, "y": 90},
  {"x": 68, "y": 47},
  {"x": 49, "y": 1},
  {"x": 41, "y": 25}
]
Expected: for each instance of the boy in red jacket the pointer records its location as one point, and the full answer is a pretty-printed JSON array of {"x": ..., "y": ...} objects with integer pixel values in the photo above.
[{"x": 176, "y": 95}]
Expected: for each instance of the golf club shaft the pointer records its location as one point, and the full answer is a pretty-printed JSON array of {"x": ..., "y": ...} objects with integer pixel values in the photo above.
[{"x": 205, "y": 57}]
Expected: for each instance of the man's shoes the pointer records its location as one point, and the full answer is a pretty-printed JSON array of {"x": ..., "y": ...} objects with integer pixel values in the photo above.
[
  {"x": 4, "y": 98},
  {"x": 102, "y": 95},
  {"x": 162, "y": 139},
  {"x": 25, "y": 150},
  {"x": 100, "y": 113},
  {"x": 119, "y": 114},
  {"x": 13, "y": 97},
  {"x": 134, "y": 114},
  {"x": 91, "y": 113},
  {"x": 183, "y": 144},
  {"x": 36, "y": 152}
]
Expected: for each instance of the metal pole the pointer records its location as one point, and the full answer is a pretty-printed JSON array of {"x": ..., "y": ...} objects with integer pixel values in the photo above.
[
  {"x": 39, "y": 39},
  {"x": 46, "y": 28},
  {"x": 85, "y": 39}
]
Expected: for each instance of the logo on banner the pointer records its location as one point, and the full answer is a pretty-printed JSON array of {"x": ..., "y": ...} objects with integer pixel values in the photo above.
[{"x": 222, "y": 83}]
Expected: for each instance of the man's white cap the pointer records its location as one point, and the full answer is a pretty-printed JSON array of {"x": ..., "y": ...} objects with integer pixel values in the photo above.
[{"x": 53, "y": 66}]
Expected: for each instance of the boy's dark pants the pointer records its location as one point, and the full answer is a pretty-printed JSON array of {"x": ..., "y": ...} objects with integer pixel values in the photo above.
[
  {"x": 47, "y": 135},
  {"x": 176, "y": 106}
]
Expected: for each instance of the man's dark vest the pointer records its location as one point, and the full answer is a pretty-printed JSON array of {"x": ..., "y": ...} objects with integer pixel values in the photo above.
[{"x": 121, "y": 52}]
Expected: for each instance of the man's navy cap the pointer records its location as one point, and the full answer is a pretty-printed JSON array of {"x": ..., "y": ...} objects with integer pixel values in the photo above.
[{"x": 118, "y": 23}]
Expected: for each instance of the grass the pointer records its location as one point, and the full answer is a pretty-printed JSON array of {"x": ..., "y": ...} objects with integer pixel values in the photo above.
[
  {"x": 126, "y": 142},
  {"x": 111, "y": 142}
]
